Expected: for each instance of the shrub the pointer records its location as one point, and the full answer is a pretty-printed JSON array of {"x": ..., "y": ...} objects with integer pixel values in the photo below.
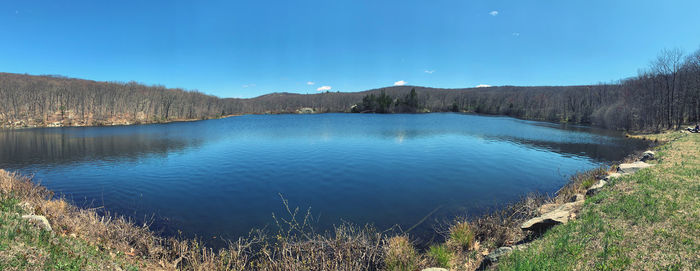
[
  {"x": 587, "y": 183},
  {"x": 440, "y": 255},
  {"x": 400, "y": 254},
  {"x": 462, "y": 236}
]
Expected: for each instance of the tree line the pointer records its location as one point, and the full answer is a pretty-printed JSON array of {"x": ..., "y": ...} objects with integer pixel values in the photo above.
[
  {"x": 384, "y": 103},
  {"x": 665, "y": 95},
  {"x": 43, "y": 100}
]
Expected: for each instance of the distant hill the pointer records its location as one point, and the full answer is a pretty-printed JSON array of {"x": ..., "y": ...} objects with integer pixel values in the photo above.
[{"x": 666, "y": 96}]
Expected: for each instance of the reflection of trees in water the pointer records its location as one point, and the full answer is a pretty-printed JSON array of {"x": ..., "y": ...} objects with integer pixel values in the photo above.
[
  {"x": 601, "y": 149},
  {"x": 614, "y": 151},
  {"x": 20, "y": 148}
]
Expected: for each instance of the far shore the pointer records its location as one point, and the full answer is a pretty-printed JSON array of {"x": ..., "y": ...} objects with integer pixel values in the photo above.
[
  {"x": 300, "y": 111},
  {"x": 122, "y": 122}
]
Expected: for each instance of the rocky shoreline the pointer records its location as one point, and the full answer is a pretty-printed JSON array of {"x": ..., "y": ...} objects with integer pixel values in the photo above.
[{"x": 552, "y": 214}]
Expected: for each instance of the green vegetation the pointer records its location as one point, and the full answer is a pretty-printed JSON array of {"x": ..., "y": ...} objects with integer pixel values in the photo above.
[
  {"x": 24, "y": 246},
  {"x": 441, "y": 255},
  {"x": 646, "y": 221},
  {"x": 400, "y": 254},
  {"x": 461, "y": 236},
  {"x": 384, "y": 103}
]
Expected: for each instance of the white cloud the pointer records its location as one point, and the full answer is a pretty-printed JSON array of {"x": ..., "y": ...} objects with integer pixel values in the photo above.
[
  {"x": 483, "y": 86},
  {"x": 310, "y": 83},
  {"x": 516, "y": 34},
  {"x": 248, "y": 85},
  {"x": 493, "y": 13},
  {"x": 324, "y": 88},
  {"x": 429, "y": 71},
  {"x": 399, "y": 83}
]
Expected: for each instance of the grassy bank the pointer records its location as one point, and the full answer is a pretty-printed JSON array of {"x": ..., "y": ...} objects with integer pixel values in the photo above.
[{"x": 646, "y": 221}]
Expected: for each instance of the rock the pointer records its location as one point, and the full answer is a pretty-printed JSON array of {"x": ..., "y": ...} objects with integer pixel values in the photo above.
[
  {"x": 499, "y": 252},
  {"x": 546, "y": 208},
  {"x": 577, "y": 197},
  {"x": 306, "y": 110},
  {"x": 570, "y": 207},
  {"x": 546, "y": 221},
  {"x": 27, "y": 207},
  {"x": 434, "y": 269},
  {"x": 648, "y": 155},
  {"x": 632, "y": 167},
  {"x": 612, "y": 176},
  {"x": 520, "y": 247},
  {"x": 39, "y": 220},
  {"x": 595, "y": 188},
  {"x": 559, "y": 215}
]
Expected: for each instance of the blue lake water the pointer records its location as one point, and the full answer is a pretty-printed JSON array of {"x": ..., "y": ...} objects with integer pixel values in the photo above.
[{"x": 220, "y": 178}]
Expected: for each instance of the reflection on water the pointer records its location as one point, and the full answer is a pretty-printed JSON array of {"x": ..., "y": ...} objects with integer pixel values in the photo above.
[
  {"x": 223, "y": 177},
  {"x": 56, "y": 146}
]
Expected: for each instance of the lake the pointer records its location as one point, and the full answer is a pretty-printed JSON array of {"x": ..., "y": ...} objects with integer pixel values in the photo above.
[{"x": 218, "y": 179}]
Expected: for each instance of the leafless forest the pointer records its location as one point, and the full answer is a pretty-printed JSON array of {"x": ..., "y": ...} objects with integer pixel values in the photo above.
[
  {"x": 665, "y": 95},
  {"x": 58, "y": 101}
]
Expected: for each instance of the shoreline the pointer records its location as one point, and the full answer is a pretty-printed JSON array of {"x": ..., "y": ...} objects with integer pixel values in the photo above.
[
  {"x": 644, "y": 218},
  {"x": 120, "y": 123},
  {"x": 133, "y": 123},
  {"x": 480, "y": 241}
]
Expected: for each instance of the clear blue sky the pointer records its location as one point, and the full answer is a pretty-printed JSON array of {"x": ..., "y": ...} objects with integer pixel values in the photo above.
[{"x": 249, "y": 48}]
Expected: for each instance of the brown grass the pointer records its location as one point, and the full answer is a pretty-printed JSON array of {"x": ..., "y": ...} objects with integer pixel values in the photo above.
[
  {"x": 108, "y": 233},
  {"x": 461, "y": 236},
  {"x": 502, "y": 228},
  {"x": 400, "y": 254}
]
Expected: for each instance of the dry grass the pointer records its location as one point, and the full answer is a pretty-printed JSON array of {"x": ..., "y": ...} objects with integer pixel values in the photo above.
[
  {"x": 502, "y": 228},
  {"x": 116, "y": 236},
  {"x": 468, "y": 241},
  {"x": 461, "y": 236},
  {"x": 400, "y": 254}
]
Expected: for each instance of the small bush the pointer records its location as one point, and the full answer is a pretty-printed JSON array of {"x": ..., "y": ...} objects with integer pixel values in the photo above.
[
  {"x": 400, "y": 254},
  {"x": 440, "y": 255},
  {"x": 587, "y": 183},
  {"x": 461, "y": 236}
]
